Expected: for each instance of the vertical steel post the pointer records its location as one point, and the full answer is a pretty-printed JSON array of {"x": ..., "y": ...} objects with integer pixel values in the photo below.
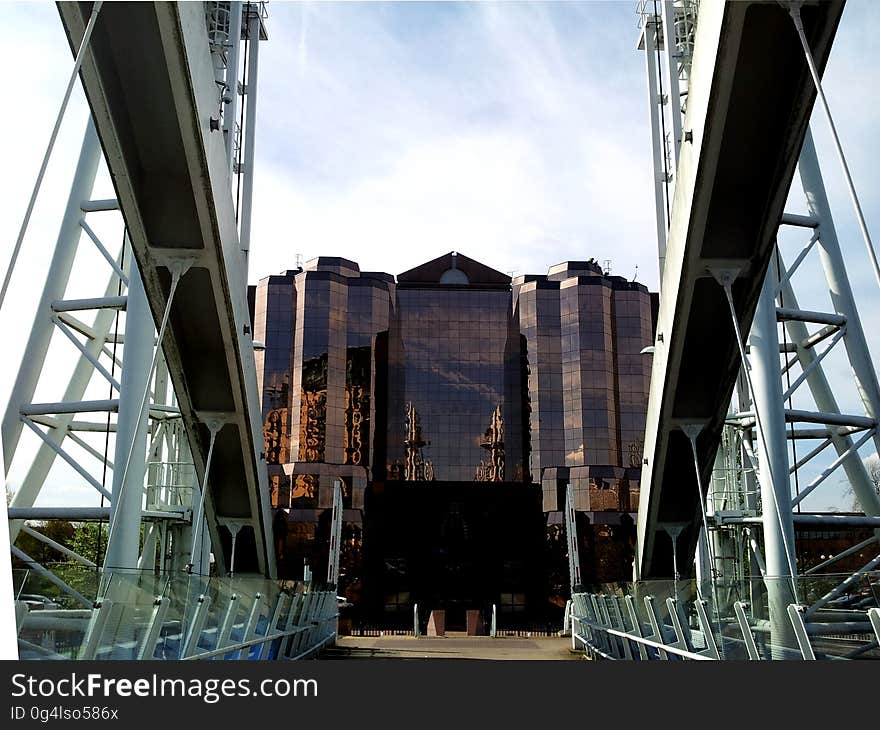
[
  {"x": 773, "y": 478},
  {"x": 131, "y": 430},
  {"x": 247, "y": 188},
  {"x": 671, "y": 53},
  {"x": 656, "y": 143},
  {"x": 232, "y": 82}
]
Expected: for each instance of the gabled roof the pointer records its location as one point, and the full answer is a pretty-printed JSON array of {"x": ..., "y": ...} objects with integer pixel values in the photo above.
[{"x": 432, "y": 271}]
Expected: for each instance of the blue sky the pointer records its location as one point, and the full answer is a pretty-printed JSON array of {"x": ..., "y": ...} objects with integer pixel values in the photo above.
[{"x": 391, "y": 133}]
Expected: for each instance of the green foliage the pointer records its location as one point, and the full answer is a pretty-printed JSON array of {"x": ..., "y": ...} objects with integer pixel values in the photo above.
[
  {"x": 89, "y": 540},
  {"x": 58, "y": 530}
]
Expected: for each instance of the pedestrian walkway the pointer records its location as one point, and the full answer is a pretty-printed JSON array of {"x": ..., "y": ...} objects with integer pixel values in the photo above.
[{"x": 451, "y": 647}]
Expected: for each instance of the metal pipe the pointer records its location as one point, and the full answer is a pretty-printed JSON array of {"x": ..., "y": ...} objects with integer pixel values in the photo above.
[
  {"x": 807, "y": 518},
  {"x": 68, "y": 458},
  {"x": 653, "y": 97},
  {"x": 77, "y": 325},
  {"x": 131, "y": 431},
  {"x": 809, "y": 367},
  {"x": 87, "y": 514},
  {"x": 72, "y": 514},
  {"x": 102, "y": 250},
  {"x": 692, "y": 431},
  {"x": 817, "y": 337},
  {"x": 78, "y": 305},
  {"x": 844, "y": 586},
  {"x": 853, "y": 449},
  {"x": 766, "y": 391},
  {"x": 842, "y": 298},
  {"x": 86, "y": 354},
  {"x": 813, "y": 453},
  {"x": 670, "y": 53},
  {"x": 840, "y": 556},
  {"x": 98, "y": 206},
  {"x": 57, "y": 546},
  {"x": 131, "y": 425},
  {"x": 335, "y": 535},
  {"x": 247, "y": 191},
  {"x": 91, "y": 450},
  {"x": 84, "y": 406},
  {"x": 785, "y": 276},
  {"x": 230, "y": 113},
  {"x": 50, "y": 576},
  {"x": 815, "y": 628},
  {"x": 786, "y": 314},
  {"x": 803, "y": 221}
]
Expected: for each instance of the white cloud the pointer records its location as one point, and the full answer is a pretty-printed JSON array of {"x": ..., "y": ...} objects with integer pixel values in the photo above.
[{"x": 391, "y": 133}]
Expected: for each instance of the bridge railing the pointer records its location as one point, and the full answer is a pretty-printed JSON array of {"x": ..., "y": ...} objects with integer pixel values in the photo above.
[
  {"x": 758, "y": 619},
  {"x": 140, "y": 615}
]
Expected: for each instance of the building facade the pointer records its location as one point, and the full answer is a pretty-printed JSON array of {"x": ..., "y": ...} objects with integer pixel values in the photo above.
[{"x": 455, "y": 405}]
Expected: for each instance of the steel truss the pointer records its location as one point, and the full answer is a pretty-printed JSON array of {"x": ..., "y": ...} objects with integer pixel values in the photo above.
[
  {"x": 152, "y": 599},
  {"x": 159, "y": 448},
  {"x": 752, "y": 505},
  {"x": 65, "y": 427}
]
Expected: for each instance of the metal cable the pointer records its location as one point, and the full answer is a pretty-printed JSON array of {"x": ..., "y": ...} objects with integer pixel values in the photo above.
[
  {"x": 197, "y": 521},
  {"x": 795, "y": 12},
  {"x": 80, "y": 55},
  {"x": 692, "y": 438}
]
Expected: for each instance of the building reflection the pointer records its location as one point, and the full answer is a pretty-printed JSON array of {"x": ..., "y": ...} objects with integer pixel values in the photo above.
[{"x": 449, "y": 375}]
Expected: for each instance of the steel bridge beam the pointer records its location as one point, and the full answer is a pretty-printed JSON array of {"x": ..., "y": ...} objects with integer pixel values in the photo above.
[
  {"x": 749, "y": 102},
  {"x": 150, "y": 84}
]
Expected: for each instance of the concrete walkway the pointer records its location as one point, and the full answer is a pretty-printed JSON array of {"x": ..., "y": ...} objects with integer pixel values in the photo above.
[{"x": 451, "y": 647}]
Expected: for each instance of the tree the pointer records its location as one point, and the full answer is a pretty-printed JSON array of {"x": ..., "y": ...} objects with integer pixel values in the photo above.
[
  {"x": 872, "y": 465},
  {"x": 58, "y": 530},
  {"x": 89, "y": 539}
]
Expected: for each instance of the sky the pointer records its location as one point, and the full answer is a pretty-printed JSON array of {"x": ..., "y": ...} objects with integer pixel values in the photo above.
[{"x": 391, "y": 133}]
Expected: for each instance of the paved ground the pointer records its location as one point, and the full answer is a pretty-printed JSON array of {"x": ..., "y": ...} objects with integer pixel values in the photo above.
[{"x": 450, "y": 647}]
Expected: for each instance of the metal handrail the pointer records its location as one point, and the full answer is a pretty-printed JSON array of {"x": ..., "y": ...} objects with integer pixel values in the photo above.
[{"x": 264, "y": 639}]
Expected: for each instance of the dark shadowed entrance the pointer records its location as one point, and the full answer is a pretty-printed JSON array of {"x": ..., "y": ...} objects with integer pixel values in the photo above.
[{"x": 454, "y": 546}]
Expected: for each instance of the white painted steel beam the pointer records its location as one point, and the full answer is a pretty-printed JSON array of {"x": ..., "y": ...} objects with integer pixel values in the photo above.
[
  {"x": 57, "y": 277},
  {"x": 170, "y": 170},
  {"x": 747, "y": 114}
]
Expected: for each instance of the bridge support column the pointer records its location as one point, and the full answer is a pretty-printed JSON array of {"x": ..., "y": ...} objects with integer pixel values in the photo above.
[
  {"x": 131, "y": 430},
  {"x": 844, "y": 303},
  {"x": 773, "y": 477}
]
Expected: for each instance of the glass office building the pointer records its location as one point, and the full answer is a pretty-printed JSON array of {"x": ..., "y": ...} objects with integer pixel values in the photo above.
[{"x": 455, "y": 405}]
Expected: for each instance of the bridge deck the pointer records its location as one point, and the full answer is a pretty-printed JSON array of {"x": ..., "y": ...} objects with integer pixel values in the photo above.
[
  {"x": 749, "y": 102},
  {"x": 150, "y": 85},
  {"x": 452, "y": 647}
]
